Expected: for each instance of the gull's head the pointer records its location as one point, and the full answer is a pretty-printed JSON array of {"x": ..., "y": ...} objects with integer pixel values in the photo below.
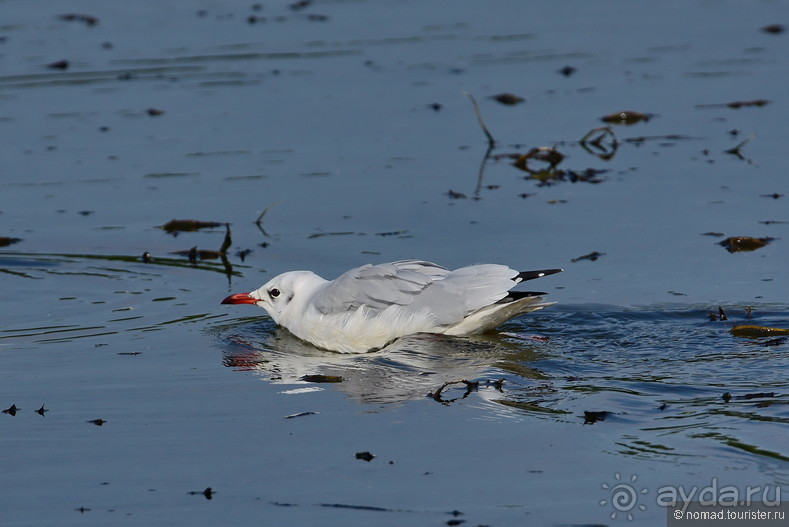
[{"x": 282, "y": 296}]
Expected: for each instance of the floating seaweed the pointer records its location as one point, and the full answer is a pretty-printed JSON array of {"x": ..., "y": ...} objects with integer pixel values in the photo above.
[
  {"x": 736, "y": 104},
  {"x": 365, "y": 456},
  {"x": 774, "y": 29},
  {"x": 508, "y": 99},
  {"x": 195, "y": 254},
  {"x": 592, "y": 256},
  {"x": 545, "y": 154},
  {"x": 88, "y": 20},
  {"x": 750, "y": 331},
  {"x": 592, "y": 417},
  {"x": 207, "y": 493},
  {"x": 6, "y": 241},
  {"x": 736, "y": 244},
  {"x": 567, "y": 71},
  {"x": 627, "y": 117},
  {"x": 59, "y": 65},
  {"x": 456, "y": 195},
  {"x": 175, "y": 226},
  {"x": 321, "y": 378},
  {"x": 720, "y": 315}
]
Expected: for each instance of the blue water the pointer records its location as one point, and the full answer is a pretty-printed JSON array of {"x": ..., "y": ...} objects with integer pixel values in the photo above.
[{"x": 325, "y": 126}]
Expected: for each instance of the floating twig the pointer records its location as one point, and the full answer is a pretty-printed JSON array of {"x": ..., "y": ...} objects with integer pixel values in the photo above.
[
  {"x": 491, "y": 140},
  {"x": 259, "y": 221},
  {"x": 470, "y": 387},
  {"x": 736, "y": 150}
]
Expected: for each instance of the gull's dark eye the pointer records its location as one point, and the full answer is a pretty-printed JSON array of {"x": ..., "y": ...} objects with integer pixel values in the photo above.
[{"x": 273, "y": 293}]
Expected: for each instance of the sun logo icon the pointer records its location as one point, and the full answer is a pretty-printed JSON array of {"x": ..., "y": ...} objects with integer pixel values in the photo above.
[{"x": 623, "y": 497}]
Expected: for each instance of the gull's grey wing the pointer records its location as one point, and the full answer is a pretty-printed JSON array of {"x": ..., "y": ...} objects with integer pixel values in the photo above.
[
  {"x": 466, "y": 290},
  {"x": 378, "y": 286}
]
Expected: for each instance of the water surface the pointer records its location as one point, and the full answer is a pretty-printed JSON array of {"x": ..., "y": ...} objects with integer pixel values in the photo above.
[{"x": 348, "y": 123}]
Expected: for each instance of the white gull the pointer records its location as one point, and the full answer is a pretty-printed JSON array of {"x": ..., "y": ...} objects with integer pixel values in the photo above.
[{"x": 368, "y": 307}]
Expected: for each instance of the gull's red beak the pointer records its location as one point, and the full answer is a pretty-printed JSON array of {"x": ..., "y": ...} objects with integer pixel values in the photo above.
[{"x": 239, "y": 298}]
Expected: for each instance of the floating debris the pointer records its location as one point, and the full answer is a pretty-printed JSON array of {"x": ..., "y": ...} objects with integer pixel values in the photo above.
[
  {"x": 601, "y": 142},
  {"x": 567, "y": 71},
  {"x": 736, "y": 150},
  {"x": 720, "y": 315},
  {"x": 322, "y": 234},
  {"x": 6, "y": 241},
  {"x": 456, "y": 195},
  {"x": 154, "y": 112},
  {"x": 471, "y": 386},
  {"x": 208, "y": 493},
  {"x": 175, "y": 226},
  {"x": 713, "y": 234},
  {"x": 300, "y": 414},
  {"x": 508, "y": 99},
  {"x": 11, "y": 410},
  {"x": 491, "y": 140},
  {"x": 744, "y": 104},
  {"x": 758, "y": 395},
  {"x": 436, "y": 107},
  {"x": 301, "y": 4},
  {"x": 736, "y": 104},
  {"x": 592, "y": 256},
  {"x": 545, "y": 154},
  {"x": 736, "y": 244},
  {"x": 59, "y": 65},
  {"x": 88, "y": 20},
  {"x": 774, "y": 29},
  {"x": 356, "y": 507},
  {"x": 750, "y": 331},
  {"x": 591, "y": 417},
  {"x": 97, "y": 422},
  {"x": 627, "y": 117},
  {"x": 365, "y": 456},
  {"x": 195, "y": 254},
  {"x": 321, "y": 378}
]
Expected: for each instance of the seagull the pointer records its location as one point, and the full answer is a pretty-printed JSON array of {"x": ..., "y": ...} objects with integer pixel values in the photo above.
[{"x": 369, "y": 307}]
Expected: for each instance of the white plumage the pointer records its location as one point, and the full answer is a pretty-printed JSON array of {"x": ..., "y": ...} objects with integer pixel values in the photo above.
[{"x": 368, "y": 307}]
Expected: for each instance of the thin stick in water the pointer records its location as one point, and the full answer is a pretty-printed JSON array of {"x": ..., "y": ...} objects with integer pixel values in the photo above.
[{"x": 491, "y": 140}]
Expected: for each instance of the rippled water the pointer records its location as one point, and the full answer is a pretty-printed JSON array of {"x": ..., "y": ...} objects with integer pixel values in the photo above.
[{"x": 343, "y": 128}]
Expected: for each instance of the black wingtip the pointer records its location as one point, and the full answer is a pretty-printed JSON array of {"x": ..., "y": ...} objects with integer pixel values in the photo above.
[
  {"x": 512, "y": 296},
  {"x": 531, "y": 275}
]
